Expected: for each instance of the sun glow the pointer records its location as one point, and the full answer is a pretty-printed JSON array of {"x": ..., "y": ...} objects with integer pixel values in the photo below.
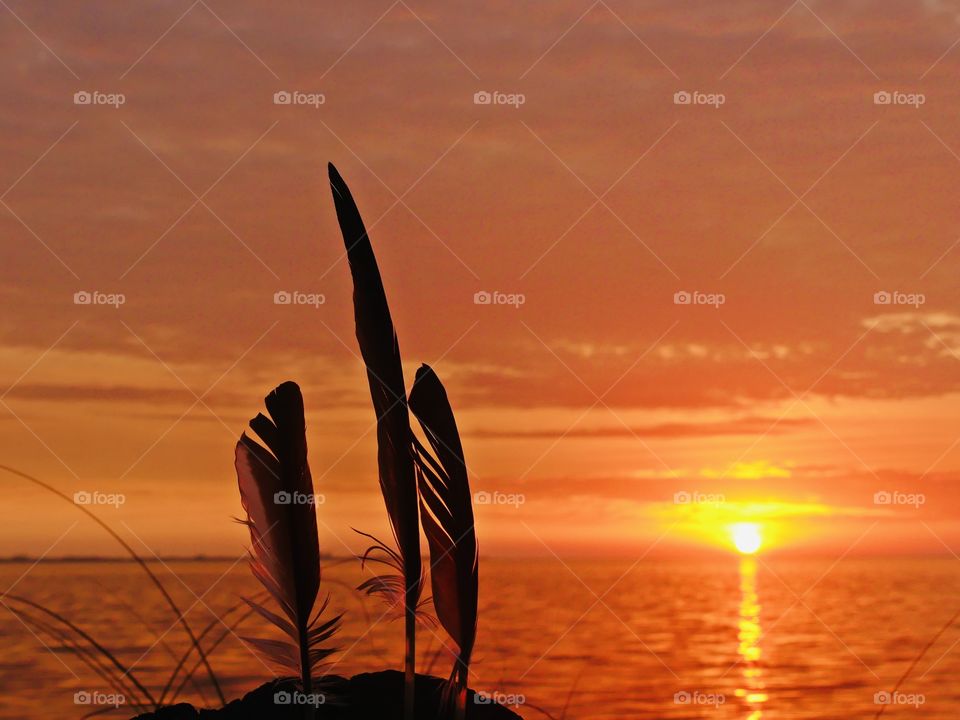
[
  {"x": 746, "y": 526},
  {"x": 746, "y": 537}
]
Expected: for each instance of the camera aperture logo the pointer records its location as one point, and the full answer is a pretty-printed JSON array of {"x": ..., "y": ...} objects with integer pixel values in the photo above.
[
  {"x": 895, "y": 297},
  {"x": 296, "y": 97},
  {"x": 282, "y": 497},
  {"x": 496, "y": 497},
  {"x": 698, "y": 697},
  {"x": 495, "y": 297},
  {"x": 282, "y": 297},
  {"x": 895, "y": 497},
  {"x": 299, "y": 698},
  {"x": 95, "y": 697},
  {"x": 684, "y": 297},
  {"x": 95, "y": 297},
  {"x": 896, "y": 97},
  {"x": 96, "y": 497},
  {"x": 483, "y": 97},
  {"x": 96, "y": 97},
  {"x": 695, "y": 97}
]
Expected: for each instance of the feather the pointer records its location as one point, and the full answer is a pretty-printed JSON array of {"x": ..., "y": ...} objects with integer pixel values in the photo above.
[
  {"x": 447, "y": 516},
  {"x": 381, "y": 355},
  {"x": 276, "y": 492}
]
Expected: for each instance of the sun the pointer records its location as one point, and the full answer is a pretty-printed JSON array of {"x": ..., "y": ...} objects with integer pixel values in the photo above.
[{"x": 746, "y": 537}]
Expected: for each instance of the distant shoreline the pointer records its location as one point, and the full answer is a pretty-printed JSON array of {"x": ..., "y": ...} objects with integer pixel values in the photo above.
[
  {"x": 332, "y": 560},
  {"x": 83, "y": 559}
]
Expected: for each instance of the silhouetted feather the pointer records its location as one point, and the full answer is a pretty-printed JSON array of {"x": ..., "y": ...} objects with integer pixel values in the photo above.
[
  {"x": 381, "y": 355},
  {"x": 447, "y": 516},
  {"x": 276, "y": 492}
]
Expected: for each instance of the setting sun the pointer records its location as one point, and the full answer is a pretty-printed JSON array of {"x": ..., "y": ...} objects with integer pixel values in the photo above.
[{"x": 746, "y": 537}]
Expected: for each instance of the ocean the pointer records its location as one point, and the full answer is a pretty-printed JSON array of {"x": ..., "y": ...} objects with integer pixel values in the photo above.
[{"x": 577, "y": 639}]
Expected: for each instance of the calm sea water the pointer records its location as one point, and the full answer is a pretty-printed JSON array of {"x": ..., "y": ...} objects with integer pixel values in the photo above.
[{"x": 595, "y": 639}]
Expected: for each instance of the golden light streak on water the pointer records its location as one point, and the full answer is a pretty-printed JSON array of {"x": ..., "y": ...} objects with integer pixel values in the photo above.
[{"x": 753, "y": 688}]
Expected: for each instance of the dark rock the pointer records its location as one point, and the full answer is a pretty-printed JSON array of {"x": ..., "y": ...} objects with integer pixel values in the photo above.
[{"x": 368, "y": 696}]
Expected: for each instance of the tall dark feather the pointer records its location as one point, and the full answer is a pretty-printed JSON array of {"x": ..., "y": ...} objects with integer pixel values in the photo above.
[
  {"x": 276, "y": 491},
  {"x": 447, "y": 516},
  {"x": 381, "y": 355}
]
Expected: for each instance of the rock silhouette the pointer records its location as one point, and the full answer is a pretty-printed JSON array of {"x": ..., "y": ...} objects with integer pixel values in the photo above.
[{"x": 368, "y": 696}]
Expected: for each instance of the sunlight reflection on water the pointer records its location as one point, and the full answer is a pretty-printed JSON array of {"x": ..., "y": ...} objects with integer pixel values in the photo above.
[
  {"x": 729, "y": 625},
  {"x": 749, "y": 640}
]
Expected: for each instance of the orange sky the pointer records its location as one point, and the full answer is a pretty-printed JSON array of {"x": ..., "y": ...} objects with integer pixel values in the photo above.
[{"x": 598, "y": 199}]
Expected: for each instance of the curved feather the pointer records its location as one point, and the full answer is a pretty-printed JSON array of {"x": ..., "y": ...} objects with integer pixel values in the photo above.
[
  {"x": 447, "y": 516},
  {"x": 381, "y": 355},
  {"x": 276, "y": 492}
]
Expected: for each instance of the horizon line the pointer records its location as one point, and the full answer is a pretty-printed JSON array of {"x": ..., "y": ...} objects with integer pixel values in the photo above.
[{"x": 22, "y": 559}]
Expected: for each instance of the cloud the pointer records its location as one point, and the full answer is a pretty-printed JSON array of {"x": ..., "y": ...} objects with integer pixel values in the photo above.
[
  {"x": 756, "y": 470},
  {"x": 734, "y": 427}
]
